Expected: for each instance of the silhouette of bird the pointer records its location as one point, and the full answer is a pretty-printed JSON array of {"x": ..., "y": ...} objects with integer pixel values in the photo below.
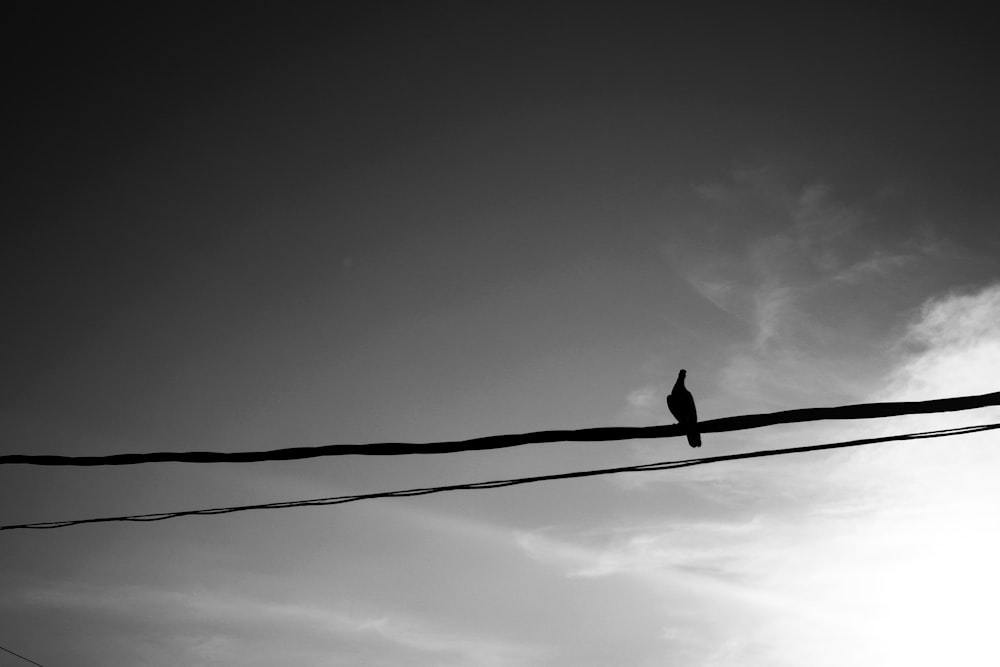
[{"x": 681, "y": 404}]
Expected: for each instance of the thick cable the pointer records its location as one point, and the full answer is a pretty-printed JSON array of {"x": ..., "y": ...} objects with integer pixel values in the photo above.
[
  {"x": 663, "y": 465},
  {"x": 737, "y": 423}
]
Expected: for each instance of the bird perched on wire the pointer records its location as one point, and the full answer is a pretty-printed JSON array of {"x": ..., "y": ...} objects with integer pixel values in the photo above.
[{"x": 681, "y": 404}]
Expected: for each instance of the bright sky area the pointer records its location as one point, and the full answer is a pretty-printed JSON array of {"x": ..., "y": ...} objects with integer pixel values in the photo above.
[{"x": 260, "y": 228}]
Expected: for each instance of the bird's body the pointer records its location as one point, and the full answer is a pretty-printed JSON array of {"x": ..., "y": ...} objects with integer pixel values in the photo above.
[{"x": 682, "y": 407}]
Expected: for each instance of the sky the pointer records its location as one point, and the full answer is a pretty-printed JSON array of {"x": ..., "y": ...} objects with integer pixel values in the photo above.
[{"x": 237, "y": 228}]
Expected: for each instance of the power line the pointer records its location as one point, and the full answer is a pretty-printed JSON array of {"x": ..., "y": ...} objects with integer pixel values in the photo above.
[
  {"x": 663, "y": 465},
  {"x": 16, "y": 655},
  {"x": 737, "y": 423}
]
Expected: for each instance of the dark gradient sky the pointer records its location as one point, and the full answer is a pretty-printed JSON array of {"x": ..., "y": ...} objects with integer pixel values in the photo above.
[{"x": 242, "y": 226}]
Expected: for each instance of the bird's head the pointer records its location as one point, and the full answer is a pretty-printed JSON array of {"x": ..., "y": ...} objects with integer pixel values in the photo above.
[{"x": 682, "y": 373}]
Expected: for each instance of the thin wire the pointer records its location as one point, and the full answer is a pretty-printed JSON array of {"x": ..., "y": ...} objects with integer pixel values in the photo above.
[
  {"x": 16, "y": 655},
  {"x": 737, "y": 423},
  {"x": 663, "y": 465}
]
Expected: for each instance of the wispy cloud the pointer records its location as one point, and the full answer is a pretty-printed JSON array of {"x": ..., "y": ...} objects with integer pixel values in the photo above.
[
  {"x": 954, "y": 344},
  {"x": 809, "y": 275},
  {"x": 877, "y": 265},
  {"x": 202, "y": 626}
]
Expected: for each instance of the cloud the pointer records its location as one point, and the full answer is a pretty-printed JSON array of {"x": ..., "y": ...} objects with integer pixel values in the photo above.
[
  {"x": 810, "y": 243},
  {"x": 954, "y": 347},
  {"x": 694, "y": 558},
  {"x": 878, "y": 264},
  {"x": 693, "y": 546},
  {"x": 810, "y": 277},
  {"x": 204, "y": 627},
  {"x": 466, "y": 649},
  {"x": 646, "y": 398},
  {"x": 890, "y": 550}
]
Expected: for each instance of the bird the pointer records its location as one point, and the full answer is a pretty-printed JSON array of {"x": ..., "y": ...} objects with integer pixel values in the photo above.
[{"x": 681, "y": 404}]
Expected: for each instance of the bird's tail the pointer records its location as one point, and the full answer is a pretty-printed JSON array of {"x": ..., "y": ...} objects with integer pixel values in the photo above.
[{"x": 694, "y": 438}]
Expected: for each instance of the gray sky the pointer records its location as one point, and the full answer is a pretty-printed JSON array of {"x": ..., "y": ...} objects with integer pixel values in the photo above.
[{"x": 249, "y": 228}]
